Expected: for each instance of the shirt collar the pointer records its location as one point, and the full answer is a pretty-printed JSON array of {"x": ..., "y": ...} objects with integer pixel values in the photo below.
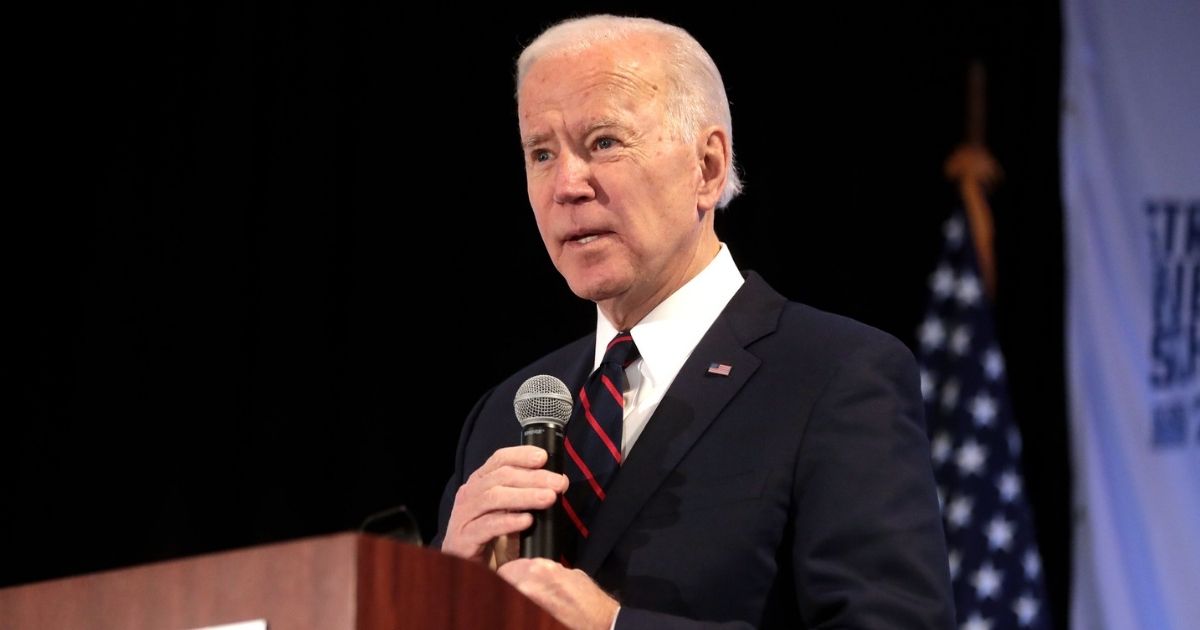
[{"x": 667, "y": 335}]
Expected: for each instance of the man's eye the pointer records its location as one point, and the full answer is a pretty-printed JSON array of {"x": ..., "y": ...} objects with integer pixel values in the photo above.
[
  {"x": 541, "y": 155},
  {"x": 605, "y": 143}
]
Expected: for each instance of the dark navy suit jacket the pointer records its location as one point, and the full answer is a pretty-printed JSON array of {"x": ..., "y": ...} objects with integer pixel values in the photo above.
[{"x": 795, "y": 492}]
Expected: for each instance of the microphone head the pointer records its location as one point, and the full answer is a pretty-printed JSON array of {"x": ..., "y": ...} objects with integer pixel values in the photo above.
[{"x": 543, "y": 398}]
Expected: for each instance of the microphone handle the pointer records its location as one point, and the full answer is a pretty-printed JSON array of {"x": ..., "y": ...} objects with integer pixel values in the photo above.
[{"x": 544, "y": 538}]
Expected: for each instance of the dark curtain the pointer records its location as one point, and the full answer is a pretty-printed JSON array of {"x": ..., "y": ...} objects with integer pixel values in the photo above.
[{"x": 274, "y": 252}]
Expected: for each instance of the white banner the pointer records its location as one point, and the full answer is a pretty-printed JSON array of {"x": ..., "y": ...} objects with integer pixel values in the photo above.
[{"x": 1131, "y": 184}]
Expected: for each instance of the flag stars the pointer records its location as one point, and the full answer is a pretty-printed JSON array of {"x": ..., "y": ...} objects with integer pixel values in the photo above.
[
  {"x": 960, "y": 340},
  {"x": 958, "y": 514},
  {"x": 1026, "y": 609},
  {"x": 968, "y": 291},
  {"x": 1009, "y": 486},
  {"x": 932, "y": 334},
  {"x": 974, "y": 446},
  {"x": 971, "y": 458},
  {"x": 993, "y": 363},
  {"x": 941, "y": 447},
  {"x": 983, "y": 409},
  {"x": 952, "y": 230},
  {"x": 942, "y": 281},
  {"x": 987, "y": 581},
  {"x": 949, "y": 395},
  {"x": 928, "y": 384},
  {"x": 976, "y": 622},
  {"x": 1014, "y": 442},
  {"x": 999, "y": 533},
  {"x": 1032, "y": 564}
]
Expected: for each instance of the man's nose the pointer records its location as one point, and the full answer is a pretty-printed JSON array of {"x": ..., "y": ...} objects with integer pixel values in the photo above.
[{"x": 573, "y": 180}]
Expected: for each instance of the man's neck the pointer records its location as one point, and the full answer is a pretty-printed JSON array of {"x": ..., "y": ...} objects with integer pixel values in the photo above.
[{"x": 625, "y": 315}]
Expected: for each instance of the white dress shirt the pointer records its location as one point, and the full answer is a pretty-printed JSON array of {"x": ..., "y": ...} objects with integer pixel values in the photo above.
[{"x": 666, "y": 337}]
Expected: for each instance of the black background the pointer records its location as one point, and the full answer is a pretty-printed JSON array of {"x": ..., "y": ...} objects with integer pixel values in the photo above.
[{"x": 274, "y": 252}]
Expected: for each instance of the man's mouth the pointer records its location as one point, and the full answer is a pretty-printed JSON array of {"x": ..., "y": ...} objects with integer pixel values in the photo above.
[{"x": 583, "y": 238}]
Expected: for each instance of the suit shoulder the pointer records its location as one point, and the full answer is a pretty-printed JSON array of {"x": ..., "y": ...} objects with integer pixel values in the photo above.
[
  {"x": 832, "y": 335},
  {"x": 766, "y": 319}
]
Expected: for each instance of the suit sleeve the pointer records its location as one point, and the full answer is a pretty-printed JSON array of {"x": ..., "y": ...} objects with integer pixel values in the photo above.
[
  {"x": 868, "y": 549},
  {"x": 459, "y": 476}
]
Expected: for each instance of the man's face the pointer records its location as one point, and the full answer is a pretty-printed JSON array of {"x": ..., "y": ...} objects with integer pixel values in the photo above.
[{"x": 614, "y": 191}]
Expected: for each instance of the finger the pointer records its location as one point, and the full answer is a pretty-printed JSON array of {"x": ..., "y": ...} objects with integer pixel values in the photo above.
[
  {"x": 499, "y": 502},
  {"x": 523, "y": 456},
  {"x": 525, "y": 478},
  {"x": 506, "y": 499},
  {"x": 514, "y": 572},
  {"x": 471, "y": 539},
  {"x": 473, "y": 503},
  {"x": 487, "y": 527},
  {"x": 487, "y": 492},
  {"x": 535, "y": 577}
]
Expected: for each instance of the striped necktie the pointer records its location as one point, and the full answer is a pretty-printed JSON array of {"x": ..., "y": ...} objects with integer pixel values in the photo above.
[{"x": 593, "y": 441}]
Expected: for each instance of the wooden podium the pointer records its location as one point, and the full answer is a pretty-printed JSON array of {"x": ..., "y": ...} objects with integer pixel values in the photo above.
[{"x": 339, "y": 582}]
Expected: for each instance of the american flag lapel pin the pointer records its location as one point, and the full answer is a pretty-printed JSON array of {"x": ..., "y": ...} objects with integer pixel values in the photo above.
[{"x": 720, "y": 369}]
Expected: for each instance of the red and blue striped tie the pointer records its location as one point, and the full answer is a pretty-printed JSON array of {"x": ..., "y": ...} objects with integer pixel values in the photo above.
[{"x": 593, "y": 442}]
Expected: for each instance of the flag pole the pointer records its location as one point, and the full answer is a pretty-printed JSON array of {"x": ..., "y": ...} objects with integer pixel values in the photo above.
[{"x": 972, "y": 166}]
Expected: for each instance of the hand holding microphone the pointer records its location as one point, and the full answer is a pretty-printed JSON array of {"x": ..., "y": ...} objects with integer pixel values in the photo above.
[{"x": 517, "y": 489}]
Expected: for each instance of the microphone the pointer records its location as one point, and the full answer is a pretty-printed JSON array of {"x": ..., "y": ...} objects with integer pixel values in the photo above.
[{"x": 543, "y": 406}]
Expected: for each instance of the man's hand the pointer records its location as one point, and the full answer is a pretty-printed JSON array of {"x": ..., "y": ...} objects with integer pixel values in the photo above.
[
  {"x": 570, "y": 595},
  {"x": 496, "y": 500}
]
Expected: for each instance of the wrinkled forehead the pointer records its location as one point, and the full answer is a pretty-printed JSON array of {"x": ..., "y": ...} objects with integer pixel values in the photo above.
[{"x": 627, "y": 73}]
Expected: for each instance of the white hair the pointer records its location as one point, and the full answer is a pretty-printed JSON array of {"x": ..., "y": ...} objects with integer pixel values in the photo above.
[{"x": 696, "y": 94}]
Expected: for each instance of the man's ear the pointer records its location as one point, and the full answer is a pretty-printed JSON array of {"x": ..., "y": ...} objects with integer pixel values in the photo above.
[{"x": 713, "y": 152}]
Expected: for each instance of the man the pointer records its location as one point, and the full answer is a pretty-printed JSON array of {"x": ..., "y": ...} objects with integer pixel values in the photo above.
[{"x": 772, "y": 468}]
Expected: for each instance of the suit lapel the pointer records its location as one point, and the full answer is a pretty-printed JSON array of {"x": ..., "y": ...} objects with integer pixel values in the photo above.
[{"x": 690, "y": 405}]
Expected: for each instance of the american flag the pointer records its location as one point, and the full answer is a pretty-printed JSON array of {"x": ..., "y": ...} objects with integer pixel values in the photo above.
[
  {"x": 994, "y": 561},
  {"x": 721, "y": 369}
]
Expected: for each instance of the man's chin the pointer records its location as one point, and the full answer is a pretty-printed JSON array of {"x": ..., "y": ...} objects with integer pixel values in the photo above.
[{"x": 598, "y": 289}]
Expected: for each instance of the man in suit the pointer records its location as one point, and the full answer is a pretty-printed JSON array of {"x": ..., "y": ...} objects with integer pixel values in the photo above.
[{"x": 772, "y": 468}]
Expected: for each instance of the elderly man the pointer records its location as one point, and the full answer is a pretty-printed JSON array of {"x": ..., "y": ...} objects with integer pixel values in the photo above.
[{"x": 766, "y": 463}]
